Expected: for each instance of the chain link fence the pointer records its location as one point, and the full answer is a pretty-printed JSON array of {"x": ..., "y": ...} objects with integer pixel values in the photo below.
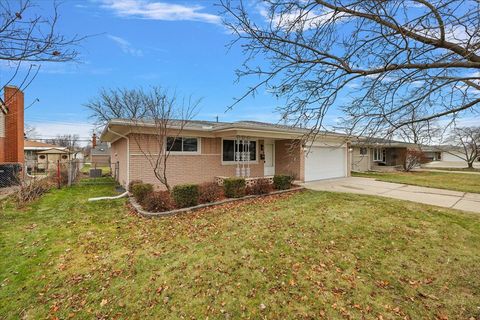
[
  {"x": 63, "y": 172},
  {"x": 30, "y": 180}
]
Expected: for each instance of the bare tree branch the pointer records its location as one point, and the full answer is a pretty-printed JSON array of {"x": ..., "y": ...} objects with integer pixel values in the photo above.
[
  {"x": 387, "y": 60},
  {"x": 28, "y": 39},
  {"x": 163, "y": 113}
]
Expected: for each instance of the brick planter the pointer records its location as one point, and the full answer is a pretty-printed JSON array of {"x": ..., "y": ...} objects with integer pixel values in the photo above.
[
  {"x": 248, "y": 181},
  {"x": 146, "y": 214}
]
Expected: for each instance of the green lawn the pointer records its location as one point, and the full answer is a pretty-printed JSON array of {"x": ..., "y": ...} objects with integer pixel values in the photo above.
[
  {"x": 456, "y": 169},
  {"x": 443, "y": 180},
  {"x": 309, "y": 255}
]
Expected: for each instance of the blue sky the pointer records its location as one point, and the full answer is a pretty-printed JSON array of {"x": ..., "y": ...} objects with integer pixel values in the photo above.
[{"x": 179, "y": 45}]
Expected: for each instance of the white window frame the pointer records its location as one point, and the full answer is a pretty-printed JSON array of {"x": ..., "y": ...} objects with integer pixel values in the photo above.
[
  {"x": 185, "y": 153},
  {"x": 379, "y": 154},
  {"x": 235, "y": 162}
]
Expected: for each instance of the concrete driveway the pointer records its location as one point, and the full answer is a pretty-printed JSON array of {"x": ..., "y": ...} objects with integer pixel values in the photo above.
[{"x": 437, "y": 197}]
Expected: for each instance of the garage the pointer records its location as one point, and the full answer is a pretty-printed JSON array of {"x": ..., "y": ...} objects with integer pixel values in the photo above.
[{"x": 325, "y": 163}]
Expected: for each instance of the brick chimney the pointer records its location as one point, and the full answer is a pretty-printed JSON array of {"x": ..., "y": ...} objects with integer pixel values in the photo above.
[
  {"x": 3, "y": 112},
  {"x": 94, "y": 140},
  {"x": 14, "y": 125}
]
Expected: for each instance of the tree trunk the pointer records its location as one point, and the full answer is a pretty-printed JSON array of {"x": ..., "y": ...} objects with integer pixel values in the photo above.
[{"x": 470, "y": 165}]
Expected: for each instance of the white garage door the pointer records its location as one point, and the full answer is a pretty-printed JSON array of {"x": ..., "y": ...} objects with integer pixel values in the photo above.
[{"x": 325, "y": 163}]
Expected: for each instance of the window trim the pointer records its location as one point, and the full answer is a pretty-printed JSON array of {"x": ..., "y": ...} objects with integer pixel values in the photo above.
[
  {"x": 184, "y": 153},
  {"x": 235, "y": 162},
  {"x": 382, "y": 152}
]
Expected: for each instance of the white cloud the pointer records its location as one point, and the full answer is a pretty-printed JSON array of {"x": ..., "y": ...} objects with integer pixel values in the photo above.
[
  {"x": 159, "y": 11},
  {"x": 309, "y": 20},
  {"x": 126, "y": 46}
]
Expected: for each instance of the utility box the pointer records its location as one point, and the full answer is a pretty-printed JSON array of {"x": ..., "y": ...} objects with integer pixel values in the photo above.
[
  {"x": 9, "y": 174},
  {"x": 95, "y": 173}
]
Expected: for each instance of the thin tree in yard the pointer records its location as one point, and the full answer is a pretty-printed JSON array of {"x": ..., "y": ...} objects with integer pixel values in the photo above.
[
  {"x": 388, "y": 60},
  {"x": 412, "y": 158},
  {"x": 161, "y": 112},
  {"x": 28, "y": 39},
  {"x": 467, "y": 143}
]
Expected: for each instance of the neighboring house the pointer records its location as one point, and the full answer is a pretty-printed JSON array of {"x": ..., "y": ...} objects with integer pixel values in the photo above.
[
  {"x": 11, "y": 126},
  {"x": 432, "y": 153},
  {"x": 78, "y": 155},
  {"x": 386, "y": 155},
  {"x": 378, "y": 154},
  {"x": 208, "y": 150},
  {"x": 100, "y": 155},
  {"x": 447, "y": 157},
  {"x": 44, "y": 156}
]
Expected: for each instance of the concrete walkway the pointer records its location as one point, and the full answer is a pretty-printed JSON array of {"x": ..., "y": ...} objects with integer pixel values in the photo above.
[{"x": 437, "y": 197}]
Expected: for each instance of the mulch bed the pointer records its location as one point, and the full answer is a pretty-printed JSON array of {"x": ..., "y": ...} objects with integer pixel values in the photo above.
[{"x": 230, "y": 203}]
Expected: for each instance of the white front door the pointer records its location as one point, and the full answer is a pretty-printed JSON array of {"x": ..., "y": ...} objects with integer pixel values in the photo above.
[{"x": 269, "y": 166}]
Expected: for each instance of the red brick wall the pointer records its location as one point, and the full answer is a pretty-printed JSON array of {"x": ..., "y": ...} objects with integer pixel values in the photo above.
[
  {"x": 289, "y": 159},
  {"x": 2, "y": 149},
  {"x": 188, "y": 168},
  {"x": 14, "y": 126}
]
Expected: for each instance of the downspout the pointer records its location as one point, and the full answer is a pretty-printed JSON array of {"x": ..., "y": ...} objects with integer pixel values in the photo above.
[{"x": 125, "y": 194}]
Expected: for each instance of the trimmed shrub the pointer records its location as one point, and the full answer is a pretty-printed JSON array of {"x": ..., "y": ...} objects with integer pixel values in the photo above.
[
  {"x": 141, "y": 190},
  {"x": 234, "y": 187},
  {"x": 185, "y": 195},
  {"x": 209, "y": 192},
  {"x": 158, "y": 201},
  {"x": 282, "y": 182},
  {"x": 261, "y": 186},
  {"x": 132, "y": 183}
]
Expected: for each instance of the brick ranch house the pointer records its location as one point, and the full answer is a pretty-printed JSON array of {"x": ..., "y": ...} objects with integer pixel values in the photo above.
[
  {"x": 376, "y": 154},
  {"x": 11, "y": 126},
  {"x": 208, "y": 150}
]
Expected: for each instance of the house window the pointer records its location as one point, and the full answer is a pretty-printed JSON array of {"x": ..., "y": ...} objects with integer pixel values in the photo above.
[
  {"x": 182, "y": 144},
  {"x": 64, "y": 157},
  {"x": 363, "y": 151},
  {"x": 245, "y": 150},
  {"x": 41, "y": 157},
  {"x": 379, "y": 154}
]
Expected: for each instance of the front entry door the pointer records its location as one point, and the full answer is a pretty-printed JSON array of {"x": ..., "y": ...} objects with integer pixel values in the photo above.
[{"x": 269, "y": 167}]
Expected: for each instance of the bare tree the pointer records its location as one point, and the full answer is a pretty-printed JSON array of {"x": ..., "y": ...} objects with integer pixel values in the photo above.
[
  {"x": 466, "y": 143},
  {"x": 69, "y": 141},
  {"x": 28, "y": 39},
  {"x": 118, "y": 104},
  {"x": 162, "y": 113},
  {"x": 386, "y": 60},
  {"x": 30, "y": 132}
]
